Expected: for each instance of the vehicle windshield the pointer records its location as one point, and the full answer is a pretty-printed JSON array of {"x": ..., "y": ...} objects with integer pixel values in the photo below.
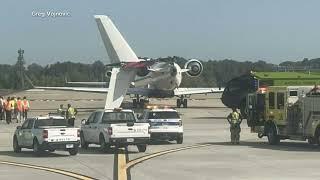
[
  {"x": 51, "y": 122},
  {"x": 119, "y": 117},
  {"x": 164, "y": 115}
]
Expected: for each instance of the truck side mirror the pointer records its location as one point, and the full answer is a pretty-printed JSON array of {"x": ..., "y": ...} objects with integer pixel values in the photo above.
[
  {"x": 18, "y": 127},
  {"x": 83, "y": 121}
]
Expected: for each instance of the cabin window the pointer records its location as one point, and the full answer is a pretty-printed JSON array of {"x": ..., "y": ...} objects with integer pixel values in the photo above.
[
  {"x": 271, "y": 100},
  {"x": 293, "y": 93},
  {"x": 280, "y": 100}
]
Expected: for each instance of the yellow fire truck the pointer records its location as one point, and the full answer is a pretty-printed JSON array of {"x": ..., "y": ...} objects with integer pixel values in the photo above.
[{"x": 285, "y": 112}]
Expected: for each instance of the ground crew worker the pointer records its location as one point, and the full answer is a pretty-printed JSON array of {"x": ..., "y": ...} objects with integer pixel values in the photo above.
[
  {"x": 2, "y": 108},
  {"x": 235, "y": 120},
  {"x": 8, "y": 109},
  {"x": 20, "y": 109},
  {"x": 13, "y": 105},
  {"x": 61, "y": 111},
  {"x": 71, "y": 115},
  {"x": 25, "y": 108}
]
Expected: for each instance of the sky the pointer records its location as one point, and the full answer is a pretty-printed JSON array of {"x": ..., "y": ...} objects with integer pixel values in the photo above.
[{"x": 269, "y": 30}]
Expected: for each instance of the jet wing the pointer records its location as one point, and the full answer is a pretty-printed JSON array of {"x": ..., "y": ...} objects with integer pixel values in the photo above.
[
  {"x": 118, "y": 86},
  {"x": 80, "y": 89},
  {"x": 87, "y": 83},
  {"x": 135, "y": 91},
  {"x": 190, "y": 91}
]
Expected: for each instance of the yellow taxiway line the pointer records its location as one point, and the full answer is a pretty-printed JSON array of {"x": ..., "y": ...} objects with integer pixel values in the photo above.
[
  {"x": 123, "y": 166},
  {"x": 53, "y": 170},
  {"x": 122, "y": 170}
]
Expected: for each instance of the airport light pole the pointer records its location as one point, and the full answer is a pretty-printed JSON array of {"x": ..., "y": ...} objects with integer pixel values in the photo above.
[{"x": 20, "y": 66}]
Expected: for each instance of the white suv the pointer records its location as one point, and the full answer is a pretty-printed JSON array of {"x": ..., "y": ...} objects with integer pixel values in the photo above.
[{"x": 165, "y": 124}]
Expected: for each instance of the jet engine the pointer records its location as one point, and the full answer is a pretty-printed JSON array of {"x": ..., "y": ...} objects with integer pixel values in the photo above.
[
  {"x": 143, "y": 71},
  {"x": 195, "y": 67},
  {"x": 108, "y": 74}
]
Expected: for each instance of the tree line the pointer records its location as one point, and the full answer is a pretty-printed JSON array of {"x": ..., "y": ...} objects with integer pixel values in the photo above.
[{"x": 215, "y": 72}]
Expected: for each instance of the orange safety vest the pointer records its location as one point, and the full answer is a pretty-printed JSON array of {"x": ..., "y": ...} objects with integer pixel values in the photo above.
[
  {"x": 8, "y": 106},
  {"x": 26, "y": 105},
  {"x": 12, "y": 104},
  {"x": 19, "y": 105}
]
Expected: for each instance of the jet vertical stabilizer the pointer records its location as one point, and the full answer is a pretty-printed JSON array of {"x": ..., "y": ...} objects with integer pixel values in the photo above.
[{"x": 117, "y": 47}]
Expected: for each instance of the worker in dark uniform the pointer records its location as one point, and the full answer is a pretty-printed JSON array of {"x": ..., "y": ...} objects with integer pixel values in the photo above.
[{"x": 235, "y": 120}]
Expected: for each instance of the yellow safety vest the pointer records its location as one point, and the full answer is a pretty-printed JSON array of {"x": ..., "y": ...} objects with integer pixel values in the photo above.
[
  {"x": 71, "y": 112},
  {"x": 235, "y": 117}
]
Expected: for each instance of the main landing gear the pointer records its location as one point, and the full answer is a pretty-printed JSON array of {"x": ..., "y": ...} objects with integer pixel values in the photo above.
[
  {"x": 139, "y": 103},
  {"x": 182, "y": 101}
]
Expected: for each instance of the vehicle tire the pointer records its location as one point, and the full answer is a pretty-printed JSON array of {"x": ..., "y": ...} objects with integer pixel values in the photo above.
[
  {"x": 317, "y": 136},
  {"x": 73, "y": 151},
  {"x": 141, "y": 103},
  {"x": 51, "y": 150},
  {"x": 103, "y": 145},
  {"x": 134, "y": 103},
  {"x": 83, "y": 142},
  {"x": 16, "y": 147},
  {"x": 273, "y": 138},
  {"x": 179, "y": 139},
  {"x": 185, "y": 103},
  {"x": 178, "y": 103},
  {"x": 142, "y": 147},
  {"x": 36, "y": 147},
  {"x": 260, "y": 135}
]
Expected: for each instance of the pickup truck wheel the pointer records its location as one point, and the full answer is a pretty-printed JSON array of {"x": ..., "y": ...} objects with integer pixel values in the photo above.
[
  {"x": 180, "y": 139},
  {"x": 185, "y": 103},
  {"x": 178, "y": 103},
  {"x": 36, "y": 147},
  {"x": 134, "y": 103},
  {"x": 83, "y": 142},
  {"x": 16, "y": 147},
  {"x": 103, "y": 145},
  {"x": 142, "y": 147},
  {"x": 273, "y": 138},
  {"x": 73, "y": 151}
]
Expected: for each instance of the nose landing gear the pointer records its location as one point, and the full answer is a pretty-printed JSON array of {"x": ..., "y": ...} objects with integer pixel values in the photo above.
[
  {"x": 139, "y": 103},
  {"x": 182, "y": 101}
]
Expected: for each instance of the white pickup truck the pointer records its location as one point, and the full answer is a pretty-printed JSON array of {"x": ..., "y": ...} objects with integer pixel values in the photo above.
[
  {"x": 46, "y": 133},
  {"x": 114, "y": 127}
]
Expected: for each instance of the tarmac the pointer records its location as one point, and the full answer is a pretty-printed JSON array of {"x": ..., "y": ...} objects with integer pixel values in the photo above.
[{"x": 205, "y": 154}]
